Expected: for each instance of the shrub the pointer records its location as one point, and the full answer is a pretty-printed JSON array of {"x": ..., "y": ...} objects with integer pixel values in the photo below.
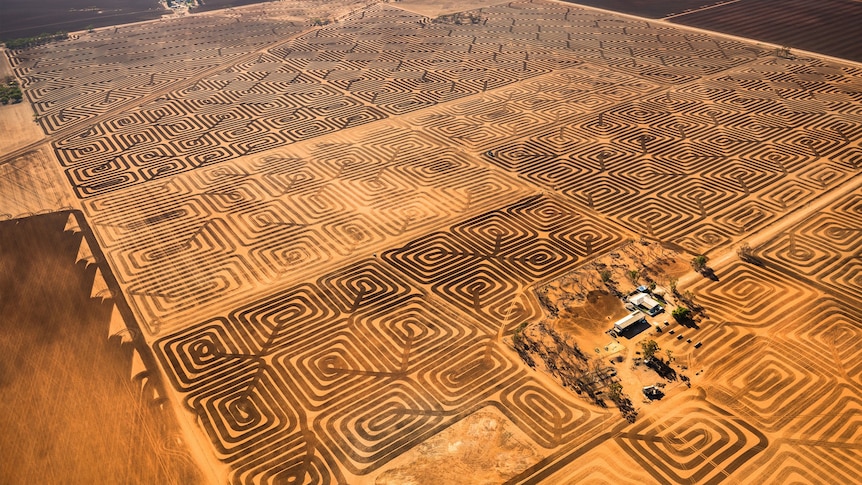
[
  {"x": 681, "y": 314},
  {"x": 650, "y": 347},
  {"x": 699, "y": 262},
  {"x": 37, "y": 40}
]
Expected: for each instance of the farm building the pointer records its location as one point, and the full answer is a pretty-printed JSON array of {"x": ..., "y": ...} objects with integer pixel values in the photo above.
[
  {"x": 645, "y": 302},
  {"x": 622, "y": 324}
]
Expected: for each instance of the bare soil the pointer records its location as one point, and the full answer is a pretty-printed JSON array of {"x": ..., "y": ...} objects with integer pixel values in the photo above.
[
  {"x": 593, "y": 315},
  {"x": 17, "y": 126},
  {"x": 443, "y": 7},
  {"x": 33, "y": 184},
  {"x": 485, "y": 446}
]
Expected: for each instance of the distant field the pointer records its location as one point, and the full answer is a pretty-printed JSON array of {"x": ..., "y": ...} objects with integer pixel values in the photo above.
[
  {"x": 829, "y": 27},
  {"x": 647, "y": 8},
  {"x": 24, "y": 18},
  {"x": 207, "y": 5}
]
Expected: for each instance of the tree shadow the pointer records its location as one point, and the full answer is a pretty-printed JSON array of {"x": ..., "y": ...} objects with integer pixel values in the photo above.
[
  {"x": 754, "y": 260},
  {"x": 661, "y": 368},
  {"x": 687, "y": 322},
  {"x": 709, "y": 273}
]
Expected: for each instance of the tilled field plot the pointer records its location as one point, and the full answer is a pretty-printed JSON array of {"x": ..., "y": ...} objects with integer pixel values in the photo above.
[
  {"x": 381, "y": 62},
  {"x": 103, "y": 71}
]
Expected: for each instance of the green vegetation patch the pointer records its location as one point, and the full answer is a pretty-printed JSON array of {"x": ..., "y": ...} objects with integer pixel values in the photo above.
[{"x": 10, "y": 91}]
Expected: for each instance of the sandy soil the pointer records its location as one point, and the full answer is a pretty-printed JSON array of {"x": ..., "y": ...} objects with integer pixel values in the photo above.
[
  {"x": 445, "y": 7},
  {"x": 592, "y": 316},
  {"x": 32, "y": 184},
  {"x": 75, "y": 408},
  {"x": 485, "y": 446},
  {"x": 18, "y": 127}
]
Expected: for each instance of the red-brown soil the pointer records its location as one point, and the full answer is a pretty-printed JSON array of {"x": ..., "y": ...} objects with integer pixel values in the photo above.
[{"x": 593, "y": 315}]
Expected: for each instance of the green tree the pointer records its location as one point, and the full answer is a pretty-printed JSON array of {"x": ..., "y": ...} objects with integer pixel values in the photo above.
[
  {"x": 518, "y": 335},
  {"x": 43, "y": 38},
  {"x": 633, "y": 276},
  {"x": 606, "y": 275},
  {"x": 699, "y": 262},
  {"x": 10, "y": 91},
  {"x": 681, "y": 314},
  {"x": 615, "y": 391},
  {"x": 650, "y": 347},
  {"x": 669, "y": 354}
]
